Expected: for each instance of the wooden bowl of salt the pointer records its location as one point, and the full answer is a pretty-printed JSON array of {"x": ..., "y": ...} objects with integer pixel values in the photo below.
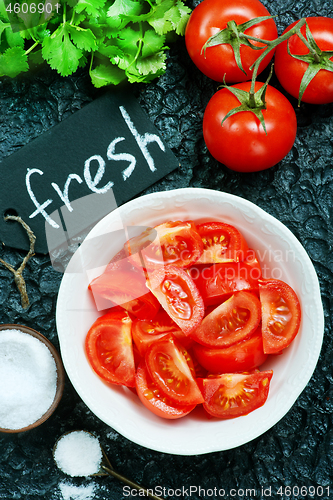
[{"x": 32, "y": 378}]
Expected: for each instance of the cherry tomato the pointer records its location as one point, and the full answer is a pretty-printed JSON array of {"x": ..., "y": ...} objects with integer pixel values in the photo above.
[
  {"x": 221, "y": 243},
  {"x": 234, "y": 394},
  {"x": 179, "y": 296},
  {"x": 281, "y": 314},
  {"x": 218, "y": 282},
  {"x": 290, "y": 71},
  {"x": 146, "y": 332},
  {"x": 241, "y": 143},
  {"x": 242, "y": 356},
  {"x": 155, "y": 400},
  {"x": 170, "y": 371},
  {"x": 125, "y": 288},
  {"x": 171, "y": 243},
  {"x": 217, "y": 62},
  {"x": 109, "y": 348},
  {"x": 234, "y": 320}
]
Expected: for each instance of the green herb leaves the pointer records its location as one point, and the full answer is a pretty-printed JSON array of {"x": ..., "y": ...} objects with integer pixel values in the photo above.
[{"x": 120, "y": 39}]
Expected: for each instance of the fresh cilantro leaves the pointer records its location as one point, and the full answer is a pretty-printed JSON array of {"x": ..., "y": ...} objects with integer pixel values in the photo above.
[{"x": 119, "y": 39}]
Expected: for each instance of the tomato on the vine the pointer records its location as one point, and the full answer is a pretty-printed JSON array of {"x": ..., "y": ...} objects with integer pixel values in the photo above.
[
  {"x": 240, "y": 143},
  {"x": 219, "y": 61},
  {"x": 291, "y": 67}
]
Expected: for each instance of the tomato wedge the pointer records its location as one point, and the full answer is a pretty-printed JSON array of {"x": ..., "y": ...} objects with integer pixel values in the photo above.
[
  {"x": 219, "y": 281},
  {"x": 125, "y": 288},
  {"x": 281, "y": 314},
  {"x": 170, "y": 371},
  {"x": 234, "y": 320},
  {"x": 221, "y": 243},
  {"x": 172, "y": 243},
  {"x": 178, "y": 295},
  {"x": 109, "y": 348},
  {"x": 155, "y": 400},
  {"x": 232, "y": 395},
  {"x": 146, "y": 332},
  {"x": 242, "y": 356}
]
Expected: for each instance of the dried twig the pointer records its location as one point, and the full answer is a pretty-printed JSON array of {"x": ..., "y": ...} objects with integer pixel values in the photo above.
[{"x": 19, "y": 280}]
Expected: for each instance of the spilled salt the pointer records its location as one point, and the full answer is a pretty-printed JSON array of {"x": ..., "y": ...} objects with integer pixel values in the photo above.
[
  {"x": 78, "y": 453},
  {"x": 72, "y": 492},
  {"x": 28, "y": 376}
]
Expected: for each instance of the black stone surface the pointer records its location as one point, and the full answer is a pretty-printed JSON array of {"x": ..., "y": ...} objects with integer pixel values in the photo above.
[{"x": 298, "y": 451}]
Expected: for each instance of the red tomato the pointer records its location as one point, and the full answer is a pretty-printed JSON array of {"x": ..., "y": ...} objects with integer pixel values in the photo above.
[
  {"x": 234, "y": 320},
  {"x": 281, "y": 314},
  {"x": 217, "y": 62},
  {"x": 172, "y": 243},
  {"x": 179, "y": 296},
  {"x": 127, "y": 289},
  {"x": 234, "y": 394},
  {"x": 146, "y": 332},
  {"x": 242, "y": 356},
  {"x": 218, "y": 282},
  {"x": 155, "y": 400},
  {"x": 241, "y": 143},
  {"x": 290, "y": 71},
  {"x": 109, "y": 348},
  {"x": 221, "y": 243},
  {"x": 170, "y": 371}
]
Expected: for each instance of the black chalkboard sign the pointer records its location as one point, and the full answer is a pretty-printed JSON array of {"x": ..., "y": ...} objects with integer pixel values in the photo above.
[{"x": 109, "y": 149}]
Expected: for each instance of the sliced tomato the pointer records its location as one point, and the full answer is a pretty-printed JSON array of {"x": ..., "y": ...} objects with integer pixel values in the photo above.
[
  {"x": 252, "y": 261},
  {"x": 281, "y": 314},
  {"x": 146, "y": 332},
  {"x": 172, "y": 243},
  {"x": 234, "y": 320},
  {"x": 170, "y": 371},
  {"x": 178, "y": 295},
  {"x": 221, "y": 243},
  {"x": 232, "y": 395},
  {"x": 219, "y": 281},
  {"x": 125, "y": 288},
  {"x": 155, "y": 400},
  {"x": 242, "y": 356},
  {"x": 109, "y": 348}
]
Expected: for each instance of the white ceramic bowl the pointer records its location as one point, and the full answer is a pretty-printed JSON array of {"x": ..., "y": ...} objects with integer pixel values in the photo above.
[{"x": 278, "y": 249}]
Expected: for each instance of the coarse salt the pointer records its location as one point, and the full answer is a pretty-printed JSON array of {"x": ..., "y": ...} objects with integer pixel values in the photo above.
[
  {"x": 28, "y": 376},
  {"x": 78, "y": 453}
]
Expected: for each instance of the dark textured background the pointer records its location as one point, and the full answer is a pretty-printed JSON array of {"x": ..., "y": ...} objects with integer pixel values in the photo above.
[{"x": 298, "y": 191}]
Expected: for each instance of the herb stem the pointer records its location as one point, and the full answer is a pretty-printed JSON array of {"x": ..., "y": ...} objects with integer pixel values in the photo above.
[{"x": 31, "y": 48}]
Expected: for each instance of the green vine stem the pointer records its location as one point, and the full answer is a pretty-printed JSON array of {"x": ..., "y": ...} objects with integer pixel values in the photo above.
[{"x": 18, "y": 277}]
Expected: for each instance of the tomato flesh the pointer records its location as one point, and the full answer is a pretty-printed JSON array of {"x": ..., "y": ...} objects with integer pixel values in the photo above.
[
  {"x": 281, "y": 315},
  {"x": 171, "y": 243},
  {"x": 170, "y": 371},
  {"x": 179, "y": 296},
  {"x": 221, "y": 243},
  {"x": 232, "y": 395},
  {"x": 155, "y": 400},
  {"x": 242, "y": 356},
  {"x": 146, "y": 332},
  {"x": 234, "y": 320},
  {"x": 218, "y": 282},
  {"x": 109, "y": 348}
]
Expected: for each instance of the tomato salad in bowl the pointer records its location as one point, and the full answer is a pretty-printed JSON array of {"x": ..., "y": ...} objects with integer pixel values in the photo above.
[
  {"x": 200, "y": 328},
  {"x": 207, "y": 328}
]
